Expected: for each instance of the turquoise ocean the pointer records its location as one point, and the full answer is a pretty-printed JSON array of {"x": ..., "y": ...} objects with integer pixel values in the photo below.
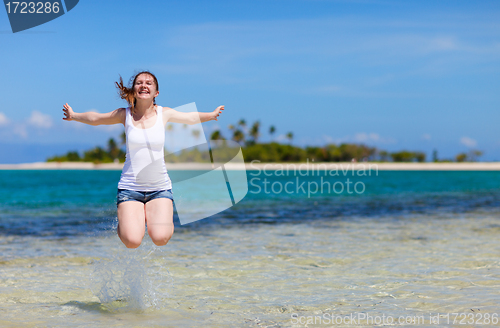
[{"x": 390, "y": 248}]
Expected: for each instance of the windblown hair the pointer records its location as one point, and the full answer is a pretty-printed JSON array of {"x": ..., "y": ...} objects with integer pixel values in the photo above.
[{"x": 127, "y": 93}]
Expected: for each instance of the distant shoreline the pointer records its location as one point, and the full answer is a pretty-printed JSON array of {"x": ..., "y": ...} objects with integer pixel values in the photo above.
[{"x": 476, "y": 166}]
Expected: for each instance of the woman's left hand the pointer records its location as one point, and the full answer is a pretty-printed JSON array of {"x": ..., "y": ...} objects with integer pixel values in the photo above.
[{"x": 217, "y": 111}]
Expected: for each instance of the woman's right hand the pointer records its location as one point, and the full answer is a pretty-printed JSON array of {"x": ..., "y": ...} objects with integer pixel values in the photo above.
[{"x": 68, "y": 112}]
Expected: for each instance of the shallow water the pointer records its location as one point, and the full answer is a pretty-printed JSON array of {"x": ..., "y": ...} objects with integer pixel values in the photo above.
[
  {"x": 269, "y": 261},
  {"x": 257, "y": 275}
]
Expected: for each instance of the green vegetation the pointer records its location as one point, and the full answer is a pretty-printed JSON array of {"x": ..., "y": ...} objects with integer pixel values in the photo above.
[
  {"x": 471, "y": 156},
  {"x": 274, "y": 151},
  {"x": 408, "y": 156},
  {"x": 113, "y": 153}
]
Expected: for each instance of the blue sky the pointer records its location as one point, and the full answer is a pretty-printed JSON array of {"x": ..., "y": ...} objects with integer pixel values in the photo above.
[{"x": 417, "y": 75}]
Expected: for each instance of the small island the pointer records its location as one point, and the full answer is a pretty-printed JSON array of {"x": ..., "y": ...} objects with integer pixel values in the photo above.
[{"x": 270, "y": 152}]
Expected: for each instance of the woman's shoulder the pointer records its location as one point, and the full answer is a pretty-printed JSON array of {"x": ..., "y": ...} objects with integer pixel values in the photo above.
[
  {"x": 122, "y": 114},
  {"x": 122, "y": 111},
  {"x": 165, "y": 113}
]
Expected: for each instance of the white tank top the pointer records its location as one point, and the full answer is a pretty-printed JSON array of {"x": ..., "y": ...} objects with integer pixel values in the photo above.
[{"x": 144, "y": 168}]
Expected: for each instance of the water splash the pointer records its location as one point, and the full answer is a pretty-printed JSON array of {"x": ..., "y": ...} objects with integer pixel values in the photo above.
[{"x": 131, "y": 280}]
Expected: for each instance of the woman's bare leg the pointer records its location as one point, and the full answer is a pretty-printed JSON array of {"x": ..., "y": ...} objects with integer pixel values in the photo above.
[
  {"x": 160, "y": 220},
  {"x": 131, "y": 223}
]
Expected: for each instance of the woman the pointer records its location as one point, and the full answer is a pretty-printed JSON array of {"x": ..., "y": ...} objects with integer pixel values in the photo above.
[{"x": 145, "y": 190}]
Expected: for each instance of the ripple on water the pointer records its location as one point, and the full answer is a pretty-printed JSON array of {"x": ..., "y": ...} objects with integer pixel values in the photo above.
[{"x": 256, "y": 274}]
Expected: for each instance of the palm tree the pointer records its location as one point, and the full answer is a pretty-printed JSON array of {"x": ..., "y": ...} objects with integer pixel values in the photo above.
[
  {"x": 123, "y": 142},
  {"x": 243, "y": 126},
  {"x": 231, "y": 128},
  {"x": 272, "y": 130},
  {"x": 289, "y": 136},
  {"x": 435, "y": 155},
  {"x": 216, "y": 135},
  {"x": 113, "y": 149},
  {"x": 475, "y": 154},
  {"x": 123, "y": 138},
  {"x": 254, "y": 131},
  {"x": 238, "y": 136}
]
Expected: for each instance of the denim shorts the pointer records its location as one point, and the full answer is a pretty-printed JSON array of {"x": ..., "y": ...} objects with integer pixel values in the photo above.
[{"x": 124, "y": 195}]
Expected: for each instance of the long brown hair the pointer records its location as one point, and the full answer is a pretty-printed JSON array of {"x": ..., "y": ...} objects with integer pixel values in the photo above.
[{"x": 127, "y": 93}]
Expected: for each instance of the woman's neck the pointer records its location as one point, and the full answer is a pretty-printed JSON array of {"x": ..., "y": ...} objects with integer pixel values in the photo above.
[{"x": 144, "y": 108}]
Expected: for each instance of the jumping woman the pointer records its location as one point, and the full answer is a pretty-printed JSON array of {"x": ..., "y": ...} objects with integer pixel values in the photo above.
[{"x": 144, "y": 191}]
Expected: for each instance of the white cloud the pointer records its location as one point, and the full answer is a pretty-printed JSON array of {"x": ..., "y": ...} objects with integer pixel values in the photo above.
[
  {"x": 3, "y": 119},
  {"x": 469, "y": 142},
  {"x": 20, "y": 130},
  {"x": 426, "y": 136},
  {"x": 40, "y": 120},
  {"x": 366, "y": 137}
]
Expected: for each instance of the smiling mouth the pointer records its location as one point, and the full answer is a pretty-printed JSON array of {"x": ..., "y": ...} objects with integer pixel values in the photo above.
[{"x": 144, "y": 92}]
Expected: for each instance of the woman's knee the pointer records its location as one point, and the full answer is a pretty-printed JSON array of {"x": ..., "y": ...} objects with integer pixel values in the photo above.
[
  {"x": 130, "y": 240},
  {"x": 131, "y": 243},
  {"x": 161, "y": 238}
]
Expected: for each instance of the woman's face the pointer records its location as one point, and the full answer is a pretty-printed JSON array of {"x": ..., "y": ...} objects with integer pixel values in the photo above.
[{"x": 145, "y": 87}]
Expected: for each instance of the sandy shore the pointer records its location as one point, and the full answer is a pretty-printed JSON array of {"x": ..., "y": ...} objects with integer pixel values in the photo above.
[{"x": 493, "y": 166}]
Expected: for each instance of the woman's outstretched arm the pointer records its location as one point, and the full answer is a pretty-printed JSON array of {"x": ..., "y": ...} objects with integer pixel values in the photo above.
[
  {"x": 93, "y": 118},
  {"x": 171, "y": 115}
]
